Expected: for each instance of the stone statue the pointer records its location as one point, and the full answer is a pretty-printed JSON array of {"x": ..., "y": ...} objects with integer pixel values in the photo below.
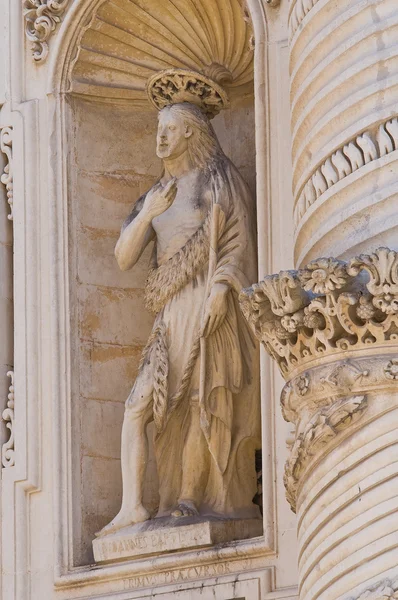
[{"x": 198, "y": 378}]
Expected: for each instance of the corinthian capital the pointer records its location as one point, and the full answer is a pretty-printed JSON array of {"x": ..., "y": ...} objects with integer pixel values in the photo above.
[{"x": 332, "y": 327}]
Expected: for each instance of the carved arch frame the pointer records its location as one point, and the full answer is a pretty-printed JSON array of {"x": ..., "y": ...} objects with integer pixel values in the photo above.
[{"x": 43, "y": 239}]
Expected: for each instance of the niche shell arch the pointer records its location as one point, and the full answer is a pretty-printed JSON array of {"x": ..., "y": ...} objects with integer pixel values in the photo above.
[{"x": 125, "y": 42}]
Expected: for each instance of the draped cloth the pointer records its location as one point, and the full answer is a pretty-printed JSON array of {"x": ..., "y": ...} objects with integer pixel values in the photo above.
[{"x": 230, "y": 416}]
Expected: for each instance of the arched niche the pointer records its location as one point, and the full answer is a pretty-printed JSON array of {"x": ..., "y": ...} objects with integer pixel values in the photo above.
[{"x": 105, "y": 132}]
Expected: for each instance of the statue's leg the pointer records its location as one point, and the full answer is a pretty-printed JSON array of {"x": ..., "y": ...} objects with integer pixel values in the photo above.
[
  {"x": 195, "y": 468},
  {"x": 134, "y": 452}
]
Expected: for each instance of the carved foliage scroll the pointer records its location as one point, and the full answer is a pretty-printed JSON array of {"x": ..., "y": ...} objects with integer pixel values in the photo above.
[
  {"x": 8, "y": 451},
  {"x": 41, "y": 19},
  {"x": 7, "y": 177}
]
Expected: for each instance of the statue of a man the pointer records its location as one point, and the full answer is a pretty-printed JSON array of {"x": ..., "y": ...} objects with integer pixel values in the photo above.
[{"x": 198, "y": 378}]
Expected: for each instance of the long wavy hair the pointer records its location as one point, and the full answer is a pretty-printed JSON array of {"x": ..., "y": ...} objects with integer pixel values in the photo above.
[{"x": 203, "y": 146}]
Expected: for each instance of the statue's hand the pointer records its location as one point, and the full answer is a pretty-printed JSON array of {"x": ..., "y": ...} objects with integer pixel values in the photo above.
[
  {"x": 159, "y": 199},
  {"x": 215, "y": 309}
]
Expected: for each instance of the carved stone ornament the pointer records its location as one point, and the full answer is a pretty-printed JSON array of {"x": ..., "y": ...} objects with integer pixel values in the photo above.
[
  {"x": 7, "y": 176},
  {"x": 356, "y": 153},
  {"x": 325, "y": 309},
  {"x": 384, "y": 591},
  {"x": 8, "y": 451},
  {"x": 308, "y": 320},
  {"x": 178, "y": 85},
  {"x": 41, "y": 19},
  {"x": 299, "y": 10},
  {"x": 323, "y": 426}
]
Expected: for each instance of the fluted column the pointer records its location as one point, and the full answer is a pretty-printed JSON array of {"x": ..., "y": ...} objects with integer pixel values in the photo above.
[
  {"x": 344, "y": 109},
  {"x": 332, "y": 327}
]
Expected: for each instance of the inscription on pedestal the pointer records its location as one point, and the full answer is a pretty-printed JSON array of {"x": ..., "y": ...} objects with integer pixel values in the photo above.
[{"x": 159, "y": 536}]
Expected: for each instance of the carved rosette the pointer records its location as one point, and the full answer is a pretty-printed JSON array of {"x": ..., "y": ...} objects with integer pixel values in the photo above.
[
  {"x": 332, "y": 327},
  {"x": 7, "y": 177},
  {"x": 41, "y": 19},
  {"x": 8, "y": 451}
]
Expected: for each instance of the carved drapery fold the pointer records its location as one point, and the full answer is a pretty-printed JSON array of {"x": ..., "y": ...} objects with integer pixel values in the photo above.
[
  {"x": 8, "y": 450},
  {"x": 7, "y": 176},
  {"x": 41, "y": 19},
  {"x": 308, "y": 320}
]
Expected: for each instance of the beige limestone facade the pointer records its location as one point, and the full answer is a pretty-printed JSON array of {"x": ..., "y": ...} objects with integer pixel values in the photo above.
[{"x": 303, "y": 96}]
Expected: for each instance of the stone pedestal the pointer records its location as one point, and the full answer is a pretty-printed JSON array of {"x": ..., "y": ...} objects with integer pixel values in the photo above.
[
  {"x": 332, "y": 327},
  {"x": 164, "y": 535}
]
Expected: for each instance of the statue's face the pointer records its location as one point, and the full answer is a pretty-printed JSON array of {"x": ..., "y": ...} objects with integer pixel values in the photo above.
[{"x": 172, "y": 137}]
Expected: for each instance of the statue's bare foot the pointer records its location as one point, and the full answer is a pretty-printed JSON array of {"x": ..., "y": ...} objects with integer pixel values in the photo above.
[
  {"x": 185, "y": 508},
  {"x": 125, "y": 519}
]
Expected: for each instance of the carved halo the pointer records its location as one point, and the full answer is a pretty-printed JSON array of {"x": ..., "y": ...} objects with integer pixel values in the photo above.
[{"x": 179, "y": 85}]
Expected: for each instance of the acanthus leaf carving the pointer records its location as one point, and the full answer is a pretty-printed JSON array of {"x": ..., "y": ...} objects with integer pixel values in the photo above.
[
  {"x": 322, "y": 427},
  {"x": 8, "y": 450},
  {"x": 41, "y": 19},
  {"x": 382, "y": 267},
  {"x": 307, "y": 320},
  {"x": 331, "y": 305},
  {"x": 7, "y": 176}
]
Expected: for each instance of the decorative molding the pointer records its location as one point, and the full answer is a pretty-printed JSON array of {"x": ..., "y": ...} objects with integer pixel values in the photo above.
[
  {"x": 7, "y": 176},
  {"x": 41, "y": 19},
  {"x": 358, "y": 152},
  {"x": 8, "y": 450},
  {"x": 322, "y": 427},
  {"x": 297, "y": 14},
  {"x": 308, "y": 320}
]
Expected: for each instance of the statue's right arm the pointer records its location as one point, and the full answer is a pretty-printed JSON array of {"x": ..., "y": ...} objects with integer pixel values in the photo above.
[
  {"x": 139, "y": 232},
  {"x": 133, "y": 240}
]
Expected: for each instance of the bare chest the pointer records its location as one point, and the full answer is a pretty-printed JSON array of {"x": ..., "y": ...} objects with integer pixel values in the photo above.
[{"x": 176, "y": 225}]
